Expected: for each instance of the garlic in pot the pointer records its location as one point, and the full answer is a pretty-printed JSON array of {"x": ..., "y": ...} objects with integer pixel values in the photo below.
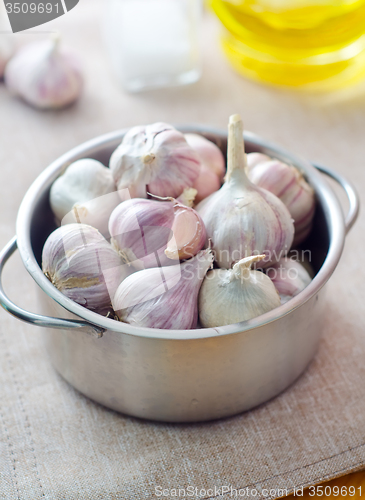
[
  {"x": 289, "y": 277},
  {"x": 82, "y": 265},
  {"x": 152, "y": 232},
  {"x": 207, "y": 183},
  {"x": 44, "y": 75},
  {"x": 165, "y": 297},
  {"x": 288, "y": 184},
  {"x": 85, "y": 193},
  {"x": 242, "y": 219},
  {"x": 209, "y": 153},
  {"x": 229, "y": 296},
  {"x": 156, "y": 159}
]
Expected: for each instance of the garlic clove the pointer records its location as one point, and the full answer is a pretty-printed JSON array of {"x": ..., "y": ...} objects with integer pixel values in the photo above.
[
  {"x": 156, "y": 159},
  {"x": 44, "y": 75},
  {"x": 289, "y": 277},
  {"x": 84, "y": 184},
  {"x": 207, "y": 183},
  {"x": 82, "y": 265},
  {"x": 163, "y": 298},
  {"x": 288, "y": 184},
  {"x": 242, "y": 219},
  {"x": 229, "y": 296},
  {"x": 189, "y": 233},
  {"x": 153, "y": 232},
  {"x": 209, "y": 153}
]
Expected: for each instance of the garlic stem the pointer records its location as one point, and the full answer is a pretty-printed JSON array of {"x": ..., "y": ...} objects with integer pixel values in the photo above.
[
  {"x": 236, "y": 158},
  {"x": 148, "y": 158},
  {"x": 241, "y": 270}
]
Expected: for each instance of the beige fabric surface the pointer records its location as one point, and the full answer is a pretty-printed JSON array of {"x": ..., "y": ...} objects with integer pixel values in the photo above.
[{"x": 57, "y": 444}]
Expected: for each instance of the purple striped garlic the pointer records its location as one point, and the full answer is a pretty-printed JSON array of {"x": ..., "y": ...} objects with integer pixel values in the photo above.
[
  {"x": 288, "y": 184},
  {"x": 44, "y": 75},
  {"x": 165, "y": 297},
  {"x": 149, "y": 233},
  {"x": 242, "y": 219},
  {"x": 82, "y": 265},
  {"x": 289, "y": 277},
  {"x": 154, "y": 159}
]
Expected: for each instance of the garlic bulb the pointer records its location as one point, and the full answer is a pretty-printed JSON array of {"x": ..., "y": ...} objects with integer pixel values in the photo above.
[
  {"x": 207, "y": 183},
  {"x": 289, "y": 277},
  {"x": 164, "y": 297},
  {"x": 85, "y": 193},
  {"x": 209, "y": 153},
  {"x": 44, "y": 75},
  {"x": 288, "y": 184},
  {"x": 235, "y": 295},
  {"x": 152, "y": 232},
  {"x": 242, "y": 219},
  {"x": 83, "y": 266},
  {"x": 156, "y": 159}
]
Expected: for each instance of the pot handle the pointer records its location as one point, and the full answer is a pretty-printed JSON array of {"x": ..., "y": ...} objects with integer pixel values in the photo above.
[
  {"x": 352, "y": 195},
  {"x": 36, "y": 319}
]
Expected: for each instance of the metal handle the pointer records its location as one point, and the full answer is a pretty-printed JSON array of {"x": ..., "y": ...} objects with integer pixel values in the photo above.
[
  {"x": 37, "y": 319},
  {"x": 348, "y": 187}
]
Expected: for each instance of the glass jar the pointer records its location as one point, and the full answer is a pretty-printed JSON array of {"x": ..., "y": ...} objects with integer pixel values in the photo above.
[
  {"x": 153, "y": 43},
  {"x": 310, "y": 44}
]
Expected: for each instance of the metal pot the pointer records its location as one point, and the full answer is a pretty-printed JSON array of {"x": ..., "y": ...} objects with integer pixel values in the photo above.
[{"x": 186, "y": 375}]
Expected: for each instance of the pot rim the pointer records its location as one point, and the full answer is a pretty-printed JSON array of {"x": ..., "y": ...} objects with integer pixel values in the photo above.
[{"x": 325, "y": 196}]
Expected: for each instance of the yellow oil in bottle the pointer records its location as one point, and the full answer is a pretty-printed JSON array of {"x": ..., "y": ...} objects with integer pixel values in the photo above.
[{"x": 317, "y": 45}]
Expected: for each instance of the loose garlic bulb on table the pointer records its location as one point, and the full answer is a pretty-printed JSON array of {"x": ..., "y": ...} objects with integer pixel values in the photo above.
[
  {"x": 288, "y": 184},
  {"x": 233, "y": 295},
  {"x": 85, "y": 193},
  {"x": 242, "y": 219},
  {"x": 149, "y": 233},
  {"x": 289, "y": 277},
  {"x": 82, "y": 265},
  {"x": 44, "y": 75},
  {"x": 165, "y": 297},
  {"x": 155, "y": 159}
]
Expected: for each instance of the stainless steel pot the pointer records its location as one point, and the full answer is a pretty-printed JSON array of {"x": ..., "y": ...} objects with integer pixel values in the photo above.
[{"x": 186, "y": 375}]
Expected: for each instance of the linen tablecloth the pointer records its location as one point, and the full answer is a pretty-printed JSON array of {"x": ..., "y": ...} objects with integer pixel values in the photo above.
[{"x": 57, "y": 444}]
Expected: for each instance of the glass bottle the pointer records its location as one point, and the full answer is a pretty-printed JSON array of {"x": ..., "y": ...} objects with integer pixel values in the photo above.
[
  {"x": 153, "y": 43},
  {"x": 310, "y": 44}
]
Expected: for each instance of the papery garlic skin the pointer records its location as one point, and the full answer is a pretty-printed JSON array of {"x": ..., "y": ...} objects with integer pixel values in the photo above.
[
  {"x": 289, "y": 277},
  {"x": 82, "y": 265},
  {"x": 155, "y": 159},
  {"x": 85, "y": 181},
  {"x": 207, "y": 183},
  {"x": 230, "y": 296},
  {"x": 140, "y": 230},
  {"x": 242, "y": 219},
  {"x": 166, "y": 297},
  {"x": 44, "y": 75},
  {"x": 288, "y": 184},
  {"x": 209, "y": 153}
]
